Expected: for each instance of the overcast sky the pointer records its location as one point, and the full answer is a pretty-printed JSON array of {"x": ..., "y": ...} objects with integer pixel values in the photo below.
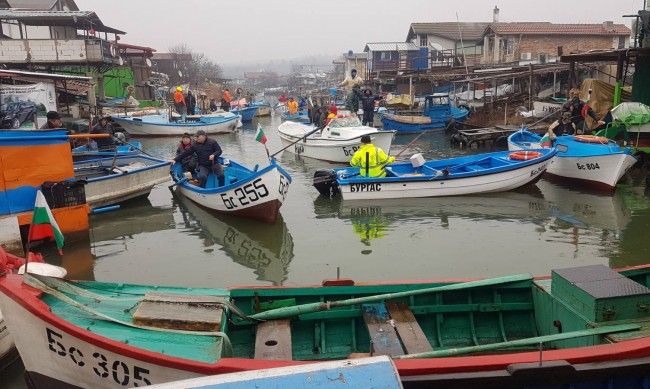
[{"x": 244, "y": 31}]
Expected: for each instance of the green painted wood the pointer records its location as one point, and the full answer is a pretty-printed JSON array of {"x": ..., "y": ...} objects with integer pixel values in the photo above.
[
  {"x": 523, "y": 342},
  {"x": 281, "y": 313},
  {"x": 265, "y": 306}
]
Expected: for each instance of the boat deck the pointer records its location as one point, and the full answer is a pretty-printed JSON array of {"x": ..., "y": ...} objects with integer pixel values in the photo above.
[{"x": 482, "y": 137}]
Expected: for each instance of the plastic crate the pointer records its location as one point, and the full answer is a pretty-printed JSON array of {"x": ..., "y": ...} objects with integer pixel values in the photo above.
[{"x": 64, "y": 193}]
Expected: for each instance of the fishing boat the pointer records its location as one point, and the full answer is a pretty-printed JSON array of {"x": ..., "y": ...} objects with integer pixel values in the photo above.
[
  {"x": 89, "y": 151},
  {"x": 301, "y": 116},
  {"x": 263, "y": 108},
  {"x": 246, "y": 113},
  {"x": 580, "y": 325},
  {"x": 148, "y": 125},
  {"x": 472, "y": 174},
  {"x": 437, "y": 114},
  {"x": 120, "y": 178},
  {"x": 593, "y": 160},
  {"x": 336, "y": 142},
  {"x": 255, "y": 194}
]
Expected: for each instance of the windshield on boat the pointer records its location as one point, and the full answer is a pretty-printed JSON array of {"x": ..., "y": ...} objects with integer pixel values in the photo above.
[{"x": 345, "y": 122}]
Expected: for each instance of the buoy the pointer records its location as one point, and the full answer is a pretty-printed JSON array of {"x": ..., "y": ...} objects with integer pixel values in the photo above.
[
  {"x": 591, "y": 139},
  {"x": 524, "y": 155}
]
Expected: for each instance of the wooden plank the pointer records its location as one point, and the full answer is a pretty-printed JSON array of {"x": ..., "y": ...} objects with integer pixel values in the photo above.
[
  {"x": 408, "y": 329},
  {"x": 273, "y": 340},
  {"x": 179, "y": 311},
  {"x": 383, "y": 337}
]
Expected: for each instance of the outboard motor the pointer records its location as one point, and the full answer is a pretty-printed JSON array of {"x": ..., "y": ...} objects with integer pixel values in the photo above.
[{"x": 325, "y": 182}]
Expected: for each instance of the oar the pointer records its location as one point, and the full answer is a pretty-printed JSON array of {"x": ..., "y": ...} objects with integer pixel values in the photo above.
[
  {"x": 182, "y": 180},
  {"x": 281, "y": 313},
  {"x": 298, "y": 140},
  {"x": 522, "y": 342},
  {"x": 134, "y": 146}
]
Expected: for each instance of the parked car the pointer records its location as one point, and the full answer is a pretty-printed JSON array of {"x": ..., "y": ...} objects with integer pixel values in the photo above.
[{"x": 16, "y": 113}]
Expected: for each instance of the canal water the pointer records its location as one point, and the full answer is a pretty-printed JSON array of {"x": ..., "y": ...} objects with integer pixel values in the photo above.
[{"x": 167, "y": 240}]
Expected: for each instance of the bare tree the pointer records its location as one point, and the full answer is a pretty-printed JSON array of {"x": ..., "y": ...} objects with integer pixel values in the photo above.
[{"x": 196, "y": 68}]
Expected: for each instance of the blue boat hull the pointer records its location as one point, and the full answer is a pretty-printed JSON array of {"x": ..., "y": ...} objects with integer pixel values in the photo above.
[
  {"x": 299, "y": 117},
  {"x": 247, "y": 113}
]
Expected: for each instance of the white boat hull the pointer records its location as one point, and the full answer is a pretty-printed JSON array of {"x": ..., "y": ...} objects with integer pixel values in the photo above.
[
  {"x": 143, "y": 128},
  {"x": 75, "y": 361},
  {"x": 330, "y": 148},
  {"x": 259, "y": 197},
  {"x": 263, "y": 110},
  {"x": 496, "y": 182},
  {"x": 545, "y": 108},
  {"x": 126, "y": 185},
  {"x": 6, "y": 340},
  {"x": 603, "y": 171}
]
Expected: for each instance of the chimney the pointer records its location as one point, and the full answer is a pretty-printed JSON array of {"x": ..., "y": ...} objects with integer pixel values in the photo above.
[
  {"x": 608, "y": 26},
  {"x": 495, "y": 15}
]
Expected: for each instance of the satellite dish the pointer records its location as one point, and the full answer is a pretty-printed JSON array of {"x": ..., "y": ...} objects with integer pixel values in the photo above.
[
  {"x": 148, "y": 62},
  {"x": 180, "y": 74}
]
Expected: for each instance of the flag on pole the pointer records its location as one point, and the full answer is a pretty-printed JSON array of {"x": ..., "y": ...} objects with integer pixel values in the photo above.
[
  {"x": 310, "y": 103},
  {"x": 259, "y": 135},
  {"x": 546, "y": 141},
  {"x": 43, "y": 223}
]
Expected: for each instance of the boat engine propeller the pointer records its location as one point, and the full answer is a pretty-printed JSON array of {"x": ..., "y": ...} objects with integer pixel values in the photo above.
[{"x": 325, "y": 182}]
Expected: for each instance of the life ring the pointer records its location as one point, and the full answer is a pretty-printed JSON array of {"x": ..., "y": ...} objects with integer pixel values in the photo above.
[
  {"x": 591, "y": 139},
  {"x": 113, "y": 50},
  {"x": 524, "y": 155}
]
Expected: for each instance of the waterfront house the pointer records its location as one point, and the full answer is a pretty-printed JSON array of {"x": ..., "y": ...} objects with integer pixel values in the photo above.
[
  {"x": 449, "y": 43},
  {"x": 396, "y": 56}
]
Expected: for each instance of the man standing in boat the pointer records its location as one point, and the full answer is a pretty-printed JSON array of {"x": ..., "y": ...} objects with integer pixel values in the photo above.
[
  {"x": 179, "y": 100},
  {"x": 353, "y": 84},
  {"x": 292, "y": 105},
  {"x": 370, "y": 159},
  {"x": 228, "y": 98},
  {"x": 207, "y": 150},
  {"x": 368, "y": 105},
  {"x": 190, "y": 102},
  {"x": 104, "y": 127}
]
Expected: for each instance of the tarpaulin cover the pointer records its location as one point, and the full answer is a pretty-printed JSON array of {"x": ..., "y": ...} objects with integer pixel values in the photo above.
[
  {"x": 602, "y": 98},
  {"x": 631, "y": 113}
]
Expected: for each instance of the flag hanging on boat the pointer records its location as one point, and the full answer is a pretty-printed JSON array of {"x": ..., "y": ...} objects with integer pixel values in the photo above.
[
  {"x": 311, "y": 103},
  {"x": 259, "y": 135},
  {"x": 43, "y": 223},
  {"x": 546, "y": 141}
]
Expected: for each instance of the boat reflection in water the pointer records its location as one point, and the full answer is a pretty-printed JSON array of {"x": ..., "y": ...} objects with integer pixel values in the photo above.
[
  {"x": 267, "y": 249},
  {"x": 562, "y": 213}
]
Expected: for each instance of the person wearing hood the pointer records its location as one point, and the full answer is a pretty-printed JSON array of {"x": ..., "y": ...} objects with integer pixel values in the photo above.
[
  {"x": 190, "y": 102},
  {"x": 190, "y": 162},
  {"x": 368, "y": 105},
  {"x": 104, "y": 127},
  {"x": 353, "y": 83}
]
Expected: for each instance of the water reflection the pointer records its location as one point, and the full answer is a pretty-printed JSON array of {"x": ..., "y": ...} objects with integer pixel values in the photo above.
[{"x": 267, "y": 249}]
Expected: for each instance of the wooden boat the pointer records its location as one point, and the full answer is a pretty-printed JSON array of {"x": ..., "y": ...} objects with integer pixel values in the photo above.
[
  {"x": 481, "y": 173},
  {"x": 594, "y": 161},
  {"x": 121, "y": 178},
  {"x": 375, "y": 372},
  {"x": 263, "y": 108},
  {"x": 217, "y": 123},
  {"x": 301, "y": 116},
  {"x": 246, "y": 113},
  {"x": 255, "y": 194},
  {"x": 87, "y": 151},
  {"x": 337, "y": 142},
  {"x": 437, "y": 114},
  {"x": 583, "y": 324}
]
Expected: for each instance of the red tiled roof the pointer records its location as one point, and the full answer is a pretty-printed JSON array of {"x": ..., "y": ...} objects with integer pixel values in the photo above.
[{"x": 558, "y": 29}]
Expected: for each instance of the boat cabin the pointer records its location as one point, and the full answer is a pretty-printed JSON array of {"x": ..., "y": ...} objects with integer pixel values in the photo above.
[{"x": 437, "y": 105}]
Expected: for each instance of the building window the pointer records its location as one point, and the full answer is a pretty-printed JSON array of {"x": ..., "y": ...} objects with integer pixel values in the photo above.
[
  {"x": 384, "y": 55},
  {"x": 423, "y": 40},
  {"x": 510, "y": 46},
  {"x": 621, "y": 42},
  {"x": 543, "y": 58}
]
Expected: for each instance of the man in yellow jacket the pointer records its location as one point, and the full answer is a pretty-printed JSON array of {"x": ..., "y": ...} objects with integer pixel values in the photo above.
[
  {"x": 370, "y": 160},
  {"x": 292, "y": 105}
]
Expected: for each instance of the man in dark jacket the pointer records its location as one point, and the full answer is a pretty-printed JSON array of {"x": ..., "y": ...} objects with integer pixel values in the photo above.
[
  {"x": 368, "y": 105},
  {"x": 190, "y": 102},
  {"x": 105, "y": 128},
  {"x": 579, "y": 112},
  {"x": 207, "y": 150}
]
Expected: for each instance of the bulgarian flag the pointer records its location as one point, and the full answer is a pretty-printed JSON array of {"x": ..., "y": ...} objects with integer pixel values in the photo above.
[
  {"x": 43, "y": 223},
  {"x": 259, "y": 135},
  {"x": 546, "y": 141}
]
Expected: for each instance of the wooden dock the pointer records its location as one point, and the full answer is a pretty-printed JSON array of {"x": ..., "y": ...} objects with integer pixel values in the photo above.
[{"x": 496, "y": 136}]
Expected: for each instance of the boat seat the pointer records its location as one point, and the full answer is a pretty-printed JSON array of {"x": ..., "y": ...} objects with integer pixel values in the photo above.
[
  {"x": 393, "y": 329},
  {"x": 408, "y": 329},
  {"x": 180, "y": 312},
  {"x": 273, "y": 340}
]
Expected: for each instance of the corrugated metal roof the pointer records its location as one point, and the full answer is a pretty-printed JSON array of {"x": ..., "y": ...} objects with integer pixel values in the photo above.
[
  {"x": 77, "y": 19},
  {"x": 558, "y": 29},
  {"x": 391, "y": 46},
  {"x": 472, "y": 31}
]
